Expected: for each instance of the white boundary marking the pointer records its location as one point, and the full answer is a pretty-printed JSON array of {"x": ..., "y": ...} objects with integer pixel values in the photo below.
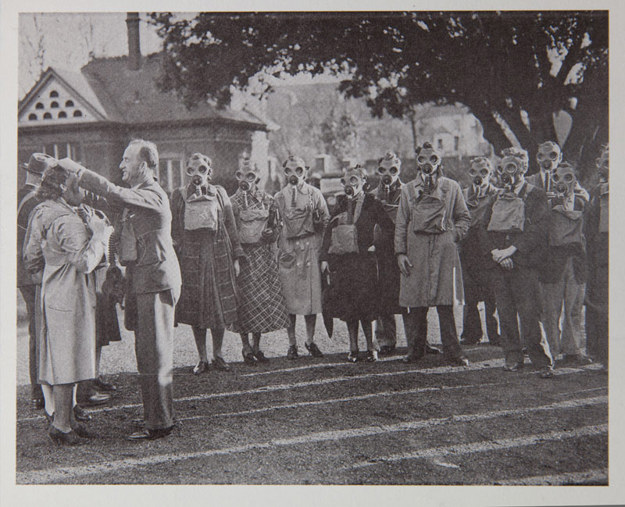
[
  {"x": 559, "y": 479},
  {"x": 485, "y": 446},
  {"x": 482, "y": 365},
  {"x": 53, "y": 475}
]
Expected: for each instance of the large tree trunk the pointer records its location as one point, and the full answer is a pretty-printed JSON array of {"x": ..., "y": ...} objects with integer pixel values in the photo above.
[{"x": 493, "y": 132}]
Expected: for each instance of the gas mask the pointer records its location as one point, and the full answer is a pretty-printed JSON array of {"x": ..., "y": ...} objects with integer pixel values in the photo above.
[
  {"x": 480, "y": 171},
  {"x": 295, "y": 170},
  {"x": 428, "y": 164},
  {"x": 603, "y": 164},
  {"x": 200, "y": 171},
  {"x": 353, "y": 181},
  {"x": 549, "y": 157},
  {"x": 247, "y": 179},
  {"x": 563, "y": 180},
  {"x": 512, "y": 168},
  {"x": 388, "y": 169}
]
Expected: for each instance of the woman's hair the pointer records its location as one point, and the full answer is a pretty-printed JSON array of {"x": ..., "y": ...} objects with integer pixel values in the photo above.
[{"x": 53, "y": 177}]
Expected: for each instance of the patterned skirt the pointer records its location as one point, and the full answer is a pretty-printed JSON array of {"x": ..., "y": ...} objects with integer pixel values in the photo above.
[{"x": 262, "y": 306}]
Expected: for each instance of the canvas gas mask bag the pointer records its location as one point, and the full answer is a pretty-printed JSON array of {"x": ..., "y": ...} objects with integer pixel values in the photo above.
[
  {"x": 252, "y": 223},
  {"x": 429, "y": 212},
  {"x": 345, "y": 235},
  {"x": 202, "y": 212},
  {"x": 565, "y": 226},
  {"x": 508, "y": 214}
]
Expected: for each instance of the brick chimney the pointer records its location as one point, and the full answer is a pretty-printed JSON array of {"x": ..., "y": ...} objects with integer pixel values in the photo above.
[{"x": 134, "y": 46}]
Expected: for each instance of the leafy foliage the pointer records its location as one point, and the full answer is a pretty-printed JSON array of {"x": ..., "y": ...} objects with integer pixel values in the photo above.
[{"x": 512, "y": 69}]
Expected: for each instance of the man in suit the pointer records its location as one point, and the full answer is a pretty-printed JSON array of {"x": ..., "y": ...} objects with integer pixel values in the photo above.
[
  {"x": 27, "y": 200},
  {"x": 153, "y": 276},
  {"x": 513, "y": 239}
]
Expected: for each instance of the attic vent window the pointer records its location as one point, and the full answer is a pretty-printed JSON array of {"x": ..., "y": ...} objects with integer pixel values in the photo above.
[
  {"x": 77, "y": 113},
  {"x": 38, "y": 105},
  {"x": 69, "y": 103},
  {"x": 47, "y": 116},
  {"x": 54, "y": 104},
  {"x": 54, "y": 94},
  {"x": 32, "y": 116},
  {"x": 62, "y": 114}
]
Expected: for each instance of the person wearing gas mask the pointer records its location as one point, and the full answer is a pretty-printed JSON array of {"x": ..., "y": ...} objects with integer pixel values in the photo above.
[
  {"x": 564, "y": 271},
  {"x": 261, "y": 304},
  {"x": 597, "y": 234},
  {"x": 347, "y": 257},
  {"x": 475, "y": 277},
  {"x": 388, "y": 193},
  {"x": 207, "y": 242},
  {"x": 304, "y": 214},
  {"x": 513, "y": 238},
  {"x": 432, "y": 217}
]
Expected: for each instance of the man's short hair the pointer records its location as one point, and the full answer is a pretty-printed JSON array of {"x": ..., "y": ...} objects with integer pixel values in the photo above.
[{"x": 147, "y": 152}]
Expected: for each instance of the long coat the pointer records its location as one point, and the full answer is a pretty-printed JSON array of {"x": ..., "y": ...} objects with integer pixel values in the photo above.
[
  {"x": 435, "y": 276},
  {"x": 298, "y": 260},
  {"x": 58, "y": 241},
  {"x": 353, "y": 292}
]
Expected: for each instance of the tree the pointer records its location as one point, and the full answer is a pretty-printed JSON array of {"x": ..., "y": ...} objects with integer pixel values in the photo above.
[{"x": 513, "y": 70}]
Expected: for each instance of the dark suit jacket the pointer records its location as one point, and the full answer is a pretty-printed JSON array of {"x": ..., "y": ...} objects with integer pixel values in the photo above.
[
  {"x": 531, "y": 244},
  {"x": 27, "y": 198},
  {"x": 156, "y": 268}
]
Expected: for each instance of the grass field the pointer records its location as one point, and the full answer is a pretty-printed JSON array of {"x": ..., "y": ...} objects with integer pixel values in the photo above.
[{"x": 325, "y": 421}]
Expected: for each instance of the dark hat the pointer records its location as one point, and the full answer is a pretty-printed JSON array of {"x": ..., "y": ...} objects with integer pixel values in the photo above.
[{"x": 38, "y": 163}]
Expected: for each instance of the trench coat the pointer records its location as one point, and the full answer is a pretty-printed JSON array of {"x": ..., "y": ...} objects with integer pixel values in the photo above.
[
  {"x": 298, "y": 259},
  {"x": 58, "y": 241},
  {"x": 435, "y": 276}
]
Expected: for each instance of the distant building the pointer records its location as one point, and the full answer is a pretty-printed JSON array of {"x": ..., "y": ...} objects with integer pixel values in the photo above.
[{"x": 91, "y": 115}]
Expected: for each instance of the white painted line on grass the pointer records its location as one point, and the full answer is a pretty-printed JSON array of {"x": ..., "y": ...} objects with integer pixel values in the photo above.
[
  {"x": 53, "y": 475},
  {"x": 344, "y": 400},
  {"x": 571, "y": 478},
  {"x": 485, "y": 446},
  {"x": 482, "y": 365}
]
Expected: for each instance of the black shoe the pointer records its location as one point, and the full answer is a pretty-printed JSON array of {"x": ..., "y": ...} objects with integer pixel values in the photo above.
[
  {"x": 61, "y": 438},
  {"x": 147, "y": 434},
  {"x": 429, "y": 349},
  {"x": 313, "y": 349},
  {"x": 459, "y": 361},
  {"x": 410, "y": 359},
  {"x": 260, "y": 357},
  {"x": 372, "y": 356},
  {"x": 81, "y": 431},
  {"x": 387, "y": 349},
  {"x": 546, "y": 372},
  {"x": 138, "y": 423},
  {"x": 80, "y": 414},
  {"x": 292, "y": 353},
  {"x": 200, "y": 367},
  {"x": 249, "y": 359},
  {"x": 467, "y": 343},
  {"x": 352, "y": 357},
  {"x": 103, "y": 385},
  {"x": 221, "y": 365},
  {"x": 513, "y": 367}
]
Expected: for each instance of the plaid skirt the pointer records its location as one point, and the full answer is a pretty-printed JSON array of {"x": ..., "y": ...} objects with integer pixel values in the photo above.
[{"x": 262, "y": 306}]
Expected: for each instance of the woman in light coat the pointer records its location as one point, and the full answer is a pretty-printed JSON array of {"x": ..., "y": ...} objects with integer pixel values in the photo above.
[{"x": 64, "y": 250}]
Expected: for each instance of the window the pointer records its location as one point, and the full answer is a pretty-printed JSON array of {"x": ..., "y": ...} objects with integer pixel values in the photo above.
[
  {"x": 170, "y": 171},
  {"x": 54, "y": 94},
  {"x": 440, "y": 144},
  {"x": 54, "y": 104},
  {"x": 47, "y": 116},
  {"x": 38, "y": 105},
  {"x": 456, "y": 143},
  {"x": 62, "y": 150},
  {"x": 32, "y": 116},
  {"x": 77, "y": 113},
  {"x": 69, "y": 103},
  {"x": 62, "y": 114}
]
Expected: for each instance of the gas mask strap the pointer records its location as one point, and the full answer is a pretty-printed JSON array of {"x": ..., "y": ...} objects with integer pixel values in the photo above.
[{"x": 350, "y": 211}]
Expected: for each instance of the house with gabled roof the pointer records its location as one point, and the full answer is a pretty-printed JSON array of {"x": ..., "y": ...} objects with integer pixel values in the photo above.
[{"x": 91, "y": 115}]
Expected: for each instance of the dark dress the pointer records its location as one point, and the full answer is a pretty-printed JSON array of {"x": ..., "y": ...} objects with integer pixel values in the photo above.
[
  {"x": 209, "y": 297},
  {"x": 353, "y": 292}
]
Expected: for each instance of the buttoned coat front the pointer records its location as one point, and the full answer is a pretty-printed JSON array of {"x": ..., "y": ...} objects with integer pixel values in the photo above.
[{"x": 435, "y": 276}]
